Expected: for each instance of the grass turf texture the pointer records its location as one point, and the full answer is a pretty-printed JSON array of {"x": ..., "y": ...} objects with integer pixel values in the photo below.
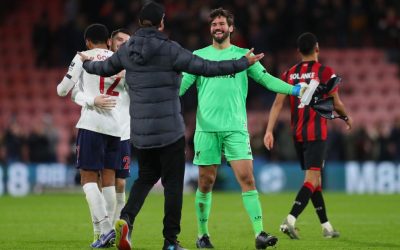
[{"x": 63, "y": 222}]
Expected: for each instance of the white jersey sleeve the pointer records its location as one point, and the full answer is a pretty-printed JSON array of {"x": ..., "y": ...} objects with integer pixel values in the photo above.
[
  {"x": 80, "y": 98},
  {"x": 71, "y": 78}
]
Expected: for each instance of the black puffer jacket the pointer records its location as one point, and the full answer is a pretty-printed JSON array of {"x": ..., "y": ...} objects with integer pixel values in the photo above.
[{"x": 153, "y": 64}]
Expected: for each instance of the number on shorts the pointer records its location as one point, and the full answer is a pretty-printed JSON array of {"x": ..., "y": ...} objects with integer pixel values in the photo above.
[{"x": 127, "y": 161}]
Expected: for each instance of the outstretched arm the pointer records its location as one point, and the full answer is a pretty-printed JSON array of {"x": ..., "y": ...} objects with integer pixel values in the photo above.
[
  {"x": 109, "y": 67},
  {"x": 186, "y": 61},
  {"x": 273, "y": 117},
  {"x": 260, "y": 75}
]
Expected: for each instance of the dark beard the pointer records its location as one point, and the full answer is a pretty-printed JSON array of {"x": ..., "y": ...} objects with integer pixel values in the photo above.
[{"x": 221, "y": 39}]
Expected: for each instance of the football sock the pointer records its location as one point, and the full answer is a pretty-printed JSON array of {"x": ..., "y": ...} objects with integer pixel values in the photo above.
[
  {"x": 203, "y": 207},
  {"x": 97, "y": 205},
  {"x": 110, "y": 198},
  {"x": 327, "y": 225},
  {"x": 120, "y": 205},
  {"x": 291, "y": 219},
  {"x": 252, "y": 205},
  {"x": 319, "y": 204},
  {"x": 302, "y": 198},
  {"x": 95, "y": 222}
]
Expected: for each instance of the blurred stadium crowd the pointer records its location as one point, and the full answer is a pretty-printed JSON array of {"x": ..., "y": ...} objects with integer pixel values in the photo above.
[{"x": 360, "y": 40}]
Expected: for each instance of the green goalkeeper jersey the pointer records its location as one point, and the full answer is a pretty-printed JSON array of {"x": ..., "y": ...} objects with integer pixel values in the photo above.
[{"x": 222, "y": 99}]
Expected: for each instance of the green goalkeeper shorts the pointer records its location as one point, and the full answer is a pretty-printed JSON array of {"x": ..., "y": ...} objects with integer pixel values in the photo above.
[{"x": 208, "y": 147}]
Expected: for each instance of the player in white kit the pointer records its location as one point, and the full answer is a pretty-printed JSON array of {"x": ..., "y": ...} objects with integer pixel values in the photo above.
[
  {"x": 118, "y": 37},
  {"x": 99, "y": 135}
]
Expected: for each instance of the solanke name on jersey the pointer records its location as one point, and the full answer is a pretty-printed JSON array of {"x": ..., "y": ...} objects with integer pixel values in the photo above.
[{"x": 309, "y": 75}]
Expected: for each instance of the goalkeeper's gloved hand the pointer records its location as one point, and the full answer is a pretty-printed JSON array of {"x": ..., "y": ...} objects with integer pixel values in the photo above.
[{"x": 299, "y": 89}]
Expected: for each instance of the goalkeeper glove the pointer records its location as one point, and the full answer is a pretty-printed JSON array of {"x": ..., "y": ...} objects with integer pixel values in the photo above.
[{"x": 299, "y": 89}]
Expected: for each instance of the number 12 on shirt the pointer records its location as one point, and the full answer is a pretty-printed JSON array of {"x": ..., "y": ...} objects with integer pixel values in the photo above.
[{"x": 110, "y": 91}]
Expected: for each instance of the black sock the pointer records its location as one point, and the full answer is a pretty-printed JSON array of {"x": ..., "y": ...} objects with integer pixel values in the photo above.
[
  {"x": 319, "y": 204},
  {"x": 302, "y": 198}
]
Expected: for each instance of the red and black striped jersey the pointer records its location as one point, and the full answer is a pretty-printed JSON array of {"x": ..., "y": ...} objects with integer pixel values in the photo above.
[{"x": 306, "y": 124}]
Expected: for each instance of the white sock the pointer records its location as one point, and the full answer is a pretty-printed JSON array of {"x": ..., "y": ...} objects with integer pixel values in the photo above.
[
  {"x": 291, "y": 219},
  {"x": 120, "y": 205},
  {"x": 95, "y": 222},
  {"x": 110, "y": 198},
  {"x": 97, "y": 206},
  {"x": 327, "y": 225}
]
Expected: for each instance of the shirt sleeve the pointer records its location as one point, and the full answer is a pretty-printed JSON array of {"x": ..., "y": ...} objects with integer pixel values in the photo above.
[
  {"x": 328, "y": 74},
  {"x": 75, "y": 69},
  {"x": 187, "y": 81},
  {"x": 79, "y": 97},
  {"x": 71, "y": 77},
  {"x": 259, "y": 74},
  {"x": 186, "y": 61}
]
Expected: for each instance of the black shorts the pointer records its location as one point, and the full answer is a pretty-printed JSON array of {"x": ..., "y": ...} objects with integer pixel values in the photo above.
[
  {"x": 96, "y": 151},
  {"x": 311, "y": 154}
]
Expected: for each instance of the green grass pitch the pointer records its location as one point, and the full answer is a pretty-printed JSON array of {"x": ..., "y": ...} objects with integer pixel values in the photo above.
[{"x": 62, "y": 221}]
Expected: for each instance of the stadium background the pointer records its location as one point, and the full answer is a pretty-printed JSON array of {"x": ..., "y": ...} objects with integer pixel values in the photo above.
[{"x": 358, "y": 39}]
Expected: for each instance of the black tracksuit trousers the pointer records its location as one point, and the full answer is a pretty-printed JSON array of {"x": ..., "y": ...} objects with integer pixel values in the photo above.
[{"x": 167, "y": 163}]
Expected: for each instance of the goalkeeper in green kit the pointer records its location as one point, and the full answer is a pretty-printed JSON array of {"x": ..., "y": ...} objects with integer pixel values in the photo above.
[{"x": 221, "y": 126}]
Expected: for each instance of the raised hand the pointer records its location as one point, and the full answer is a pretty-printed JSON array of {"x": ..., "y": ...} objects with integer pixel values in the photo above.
[{"x": 253, "y": 58}]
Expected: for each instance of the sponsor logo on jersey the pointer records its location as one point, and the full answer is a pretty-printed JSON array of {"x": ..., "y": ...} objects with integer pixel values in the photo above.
[
  {"x": 226, "y": 76},
  {"x": 71, "y": 66}
]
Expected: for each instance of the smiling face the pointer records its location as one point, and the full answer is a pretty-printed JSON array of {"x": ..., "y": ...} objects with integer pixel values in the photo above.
[
  {"x": 117, "y": 40},
  {"x": 220, "y": 29}
]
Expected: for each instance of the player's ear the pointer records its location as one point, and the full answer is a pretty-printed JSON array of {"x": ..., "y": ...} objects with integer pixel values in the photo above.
[
  {"x": 316, "y": 48},
  {"x": 87, "y": 43},
  {"x": 230, "y": 29},
  {"x": 109, "y": 43},
  {"x": 161, "y": 26}
]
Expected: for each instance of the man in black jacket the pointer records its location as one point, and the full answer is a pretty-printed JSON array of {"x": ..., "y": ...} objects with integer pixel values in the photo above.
[{"x": 153, "y": 64}]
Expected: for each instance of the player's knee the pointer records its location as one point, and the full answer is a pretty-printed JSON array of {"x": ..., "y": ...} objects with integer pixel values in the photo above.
[
  {"x": 120, "y": 185},
  {"x": 206, "y": 181},
  {"x": 247, "y": 181},
  {"x": 108, "y": 181},
  {"x": 88, "y": 176}
]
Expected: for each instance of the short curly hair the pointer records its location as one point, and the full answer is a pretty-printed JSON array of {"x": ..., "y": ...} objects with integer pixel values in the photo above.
[
  {"x": 306, "y": 43},
  {"x": 221, "y": 12}
]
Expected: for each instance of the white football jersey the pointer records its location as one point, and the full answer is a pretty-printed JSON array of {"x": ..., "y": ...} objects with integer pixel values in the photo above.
[{"x": 93, "y": 118}]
